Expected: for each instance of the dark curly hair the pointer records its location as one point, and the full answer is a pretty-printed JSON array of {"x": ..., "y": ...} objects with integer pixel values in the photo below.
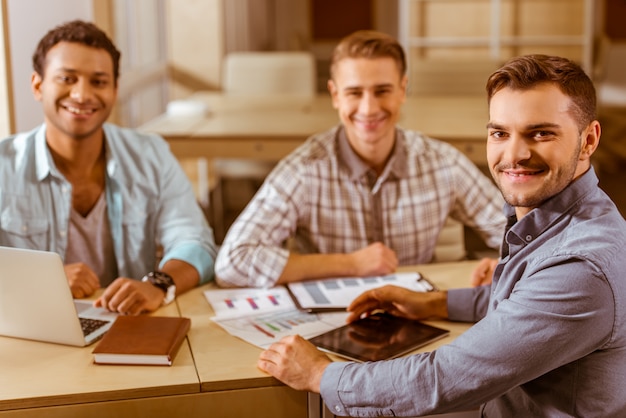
[{"x": 77, "y": 31}]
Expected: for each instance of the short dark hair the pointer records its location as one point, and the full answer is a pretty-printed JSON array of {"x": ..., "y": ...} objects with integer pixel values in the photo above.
[
  {"x": 369, "y": 44},
  {"x": 525, "y": 72},
  {"x": 77, "y": 31}
]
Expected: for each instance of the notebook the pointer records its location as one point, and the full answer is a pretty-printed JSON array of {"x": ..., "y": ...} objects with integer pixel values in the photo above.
[{"x": 36, "y": 301}]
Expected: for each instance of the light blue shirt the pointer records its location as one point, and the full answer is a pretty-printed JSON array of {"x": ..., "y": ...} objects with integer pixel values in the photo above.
[
  {"x": 550, "y": 340},
  {"x": 149, "y": 198}
]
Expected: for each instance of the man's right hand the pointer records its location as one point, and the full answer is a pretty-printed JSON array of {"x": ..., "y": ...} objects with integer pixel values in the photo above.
[
  {"x": 83, "y": 281},
  {"x": 400, "y": 301},
  {"x": 374, "y": 260}
]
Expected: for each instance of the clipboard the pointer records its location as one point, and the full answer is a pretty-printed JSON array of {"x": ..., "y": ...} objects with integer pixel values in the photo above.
[{"x": 335, "y": 294}]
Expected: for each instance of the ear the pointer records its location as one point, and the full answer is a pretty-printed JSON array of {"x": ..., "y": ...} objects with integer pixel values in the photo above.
[
  {"x": 590, "y": 140},
  {"x": 332, "y": 89},
  {"x": 404, "y": 84},
  {"x": 35, "y": 85}
]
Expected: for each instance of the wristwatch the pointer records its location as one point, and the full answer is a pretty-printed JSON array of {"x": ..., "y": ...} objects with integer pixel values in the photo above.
[{"x": 164, "y": 282}]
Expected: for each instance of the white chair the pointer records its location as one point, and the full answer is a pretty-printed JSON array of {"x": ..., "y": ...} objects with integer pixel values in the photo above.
[
  {"x": 269, "y": 73},
  {"x": 257, "y": 74}
]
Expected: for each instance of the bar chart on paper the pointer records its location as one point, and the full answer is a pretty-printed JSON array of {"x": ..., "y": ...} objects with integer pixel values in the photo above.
[{"x": 263, "y": 316}]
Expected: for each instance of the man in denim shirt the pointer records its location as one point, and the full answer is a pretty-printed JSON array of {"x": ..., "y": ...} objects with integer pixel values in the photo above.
[
  {"x": 105, "y": 198},
  {"x": 551, "y": 340}
]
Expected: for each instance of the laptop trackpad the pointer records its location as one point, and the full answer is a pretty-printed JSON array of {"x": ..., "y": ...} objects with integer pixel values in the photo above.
[{"x": 86, "y": 309}]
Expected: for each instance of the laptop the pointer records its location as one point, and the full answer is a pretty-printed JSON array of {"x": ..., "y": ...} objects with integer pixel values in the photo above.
[{"x": 36, "y": 301}]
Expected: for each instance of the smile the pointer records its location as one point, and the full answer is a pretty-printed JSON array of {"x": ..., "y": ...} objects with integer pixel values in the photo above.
[{"x": 78, "y": 111}]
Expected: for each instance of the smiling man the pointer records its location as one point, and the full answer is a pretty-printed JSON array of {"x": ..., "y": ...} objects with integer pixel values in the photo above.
[
  {"x": 105, "y": 198},
  {"x": 363, "y": 197},
  {"x": 550, "y": 332}
]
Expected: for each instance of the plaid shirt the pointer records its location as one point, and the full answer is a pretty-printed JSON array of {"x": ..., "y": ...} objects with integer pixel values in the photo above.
[{"x": 327, "y": 200}]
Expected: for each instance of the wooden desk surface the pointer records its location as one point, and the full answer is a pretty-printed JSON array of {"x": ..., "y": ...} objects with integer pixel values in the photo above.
[
  {"x": 37, "y": 374},
  {"x": 224, "y": 361},
  {"x": 213, "y": 371},
  {"x": 269, "y": 128}
]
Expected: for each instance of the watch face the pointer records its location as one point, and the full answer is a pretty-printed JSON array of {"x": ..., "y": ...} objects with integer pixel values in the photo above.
[{"x": 164, "y": 282}]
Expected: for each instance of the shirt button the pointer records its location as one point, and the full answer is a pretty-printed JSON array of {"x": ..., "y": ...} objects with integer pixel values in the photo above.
[
  {"x": 337, "y": 408},
  {"x": 62, "y": 233},
  {"x": 24, "y": 228},
  {"x": 529, "y": 238}
]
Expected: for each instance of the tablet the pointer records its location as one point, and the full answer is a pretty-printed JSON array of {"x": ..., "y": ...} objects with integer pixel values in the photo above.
[{"x": 377, "y": 337}]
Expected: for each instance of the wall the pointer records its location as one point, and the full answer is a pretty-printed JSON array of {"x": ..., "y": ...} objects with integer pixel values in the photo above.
[
  {"x": 195, "y": 45},
  {"x": 26, "y": 27}
]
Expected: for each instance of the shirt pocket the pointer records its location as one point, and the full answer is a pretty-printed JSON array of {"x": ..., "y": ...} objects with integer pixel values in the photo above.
[
  {"x": 20, "y": 225},
  {"x": 139, "y": 229}
]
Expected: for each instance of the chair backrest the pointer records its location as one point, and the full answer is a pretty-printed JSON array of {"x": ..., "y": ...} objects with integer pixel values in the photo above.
[
  {"x": 451, "y": 242},
  {"x": 269, "y": 73}
]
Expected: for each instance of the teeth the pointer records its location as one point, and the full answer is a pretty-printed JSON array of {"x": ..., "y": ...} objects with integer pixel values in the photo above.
[{"x": 77, "y": 111}]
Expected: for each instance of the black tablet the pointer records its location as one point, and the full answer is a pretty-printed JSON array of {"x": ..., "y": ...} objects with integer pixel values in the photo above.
[{"x": 377, "y": 337}]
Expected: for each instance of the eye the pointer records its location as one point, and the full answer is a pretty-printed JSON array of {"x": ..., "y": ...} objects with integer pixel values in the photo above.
[
  {"x": 100, "y": 83},
  {"x": 499, "y": 135},
  {"x": 543, "y": 135},
  {"x": 66, "y": 79}
]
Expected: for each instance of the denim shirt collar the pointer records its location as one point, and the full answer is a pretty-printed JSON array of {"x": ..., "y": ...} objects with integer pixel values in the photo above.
[
  {"x": 45, "y": 166},
  {"x": 548, "y": 213}
]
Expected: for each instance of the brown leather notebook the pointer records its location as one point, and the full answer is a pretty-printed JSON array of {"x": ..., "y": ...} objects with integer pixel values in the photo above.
[{"x": 143, "y": 339}]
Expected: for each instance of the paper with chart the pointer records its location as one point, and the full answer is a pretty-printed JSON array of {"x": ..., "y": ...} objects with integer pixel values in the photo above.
[
  {"x": 263, "y": 316},
  {"x": 336, "y": 294}
]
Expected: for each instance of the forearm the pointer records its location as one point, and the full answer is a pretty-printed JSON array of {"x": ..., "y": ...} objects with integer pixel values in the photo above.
[
  {"x": 317, "y": 266},
  {"x": 184, "y": 275}
]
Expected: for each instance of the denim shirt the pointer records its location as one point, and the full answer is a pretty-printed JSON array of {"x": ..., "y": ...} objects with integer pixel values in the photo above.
[
  {"x": 550, "y": 340},
  {"x": 150, "y": 202}
]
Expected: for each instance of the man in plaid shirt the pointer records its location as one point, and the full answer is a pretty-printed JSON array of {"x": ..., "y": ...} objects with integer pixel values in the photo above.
[{"x": 363, "y": 197}]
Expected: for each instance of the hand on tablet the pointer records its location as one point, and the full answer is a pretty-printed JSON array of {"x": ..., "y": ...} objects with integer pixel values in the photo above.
[
  {"x": 295, "y": 362},
  {"x": 401, "y": 302}
]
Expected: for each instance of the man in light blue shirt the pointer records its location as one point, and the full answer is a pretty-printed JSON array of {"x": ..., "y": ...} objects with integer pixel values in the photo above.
[
  {"x": 114, "y": 203},
  {"x": 550, "y": 332}
]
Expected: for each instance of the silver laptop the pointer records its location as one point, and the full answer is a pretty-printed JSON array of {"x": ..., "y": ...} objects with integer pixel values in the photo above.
[{"x": 36, "y": 301}]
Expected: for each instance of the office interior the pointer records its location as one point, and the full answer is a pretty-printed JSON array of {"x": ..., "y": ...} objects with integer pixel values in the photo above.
[{"x": 172, "y": 49}]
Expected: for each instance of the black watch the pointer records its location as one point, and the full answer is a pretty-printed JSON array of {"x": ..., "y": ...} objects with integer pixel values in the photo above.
[{"x": 164, "y": 282}]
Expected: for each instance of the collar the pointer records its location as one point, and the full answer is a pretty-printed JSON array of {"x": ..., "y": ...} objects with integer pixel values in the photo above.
[
  {"x": 541, "y": 218},
  {"x": 397, "y": 164},
  {"x": 44, "y": 164}
]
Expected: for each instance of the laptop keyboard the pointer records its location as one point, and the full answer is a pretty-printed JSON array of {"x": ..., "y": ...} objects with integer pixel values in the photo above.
[{"x": 90, "y": 325}]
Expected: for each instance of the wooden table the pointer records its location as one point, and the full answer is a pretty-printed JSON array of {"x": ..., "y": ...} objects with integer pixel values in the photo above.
[
  {"x": 214, "y": 374},
  {"x": 268, "y": 128}
]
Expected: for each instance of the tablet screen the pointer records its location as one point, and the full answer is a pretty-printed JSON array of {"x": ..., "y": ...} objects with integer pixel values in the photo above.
[{"x": 377, "y": 337}]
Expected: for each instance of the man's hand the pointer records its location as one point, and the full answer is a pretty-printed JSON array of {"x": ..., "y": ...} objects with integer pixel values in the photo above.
[
  {"x": 483, "y": 273},
  {"x": 82, "y": 280},
  {"x": 295, "y": 362},
  {"x": 130, "y": 297},
  {"x": 374, "y": 260},
  {"x": 400, "y": 301}
]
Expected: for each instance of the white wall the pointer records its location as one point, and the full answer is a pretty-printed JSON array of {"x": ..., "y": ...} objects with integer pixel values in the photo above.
[{"x": 28, "y": 21}]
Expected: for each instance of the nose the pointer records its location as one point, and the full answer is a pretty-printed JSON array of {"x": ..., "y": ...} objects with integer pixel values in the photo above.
[
  {"x": 517, "y": 149},
  {"x": 81, "y": 90},
  {"x": 368, "y": 104}
]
